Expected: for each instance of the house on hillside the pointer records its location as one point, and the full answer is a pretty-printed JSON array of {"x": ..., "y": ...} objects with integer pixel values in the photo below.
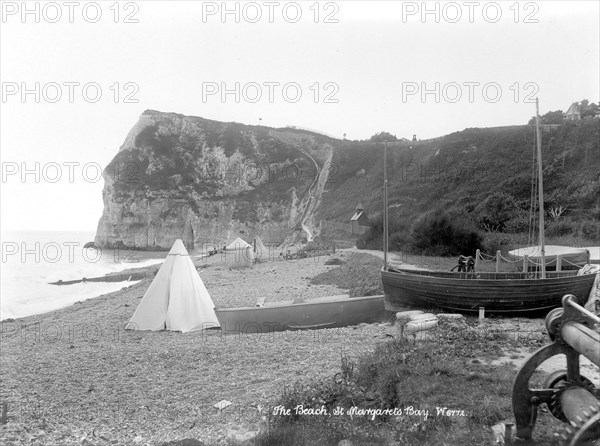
[
  {"x": 359, "y": 223},
  {"x": 573, "y": 113}
]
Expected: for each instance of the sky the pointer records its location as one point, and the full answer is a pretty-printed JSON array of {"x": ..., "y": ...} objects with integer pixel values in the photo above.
[{"x": 75, "y": 78}]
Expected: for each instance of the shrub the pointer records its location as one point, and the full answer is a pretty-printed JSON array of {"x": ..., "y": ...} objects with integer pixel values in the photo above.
[
  {"x": 496, "y": 210},
  {"x": 517, "y": 224},
  {"x": 436, "y": 234},
  {"x": 561, "y": 227},
  {"x": 398, "y": 233},
  {"x": 495, "y": 241},
  {"x": 399, "y": 239},
  {"x": 589, "y": 230}
]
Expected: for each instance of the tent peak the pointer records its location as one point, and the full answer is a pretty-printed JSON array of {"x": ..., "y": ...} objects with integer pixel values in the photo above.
[
  {"x": 178, "y": 249},
  {"x": 238, "y": 243}
]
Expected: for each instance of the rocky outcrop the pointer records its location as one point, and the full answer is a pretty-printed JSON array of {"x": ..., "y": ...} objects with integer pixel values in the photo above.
[{"x": 207, "y": 182}]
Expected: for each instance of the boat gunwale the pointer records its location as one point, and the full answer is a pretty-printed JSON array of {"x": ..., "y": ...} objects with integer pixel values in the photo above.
[
  {"x": 290, "y": 304},
  {"x": 429, "y": 274}
]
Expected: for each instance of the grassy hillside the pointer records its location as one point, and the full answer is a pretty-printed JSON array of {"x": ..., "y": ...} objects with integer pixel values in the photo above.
[{"x": 458, "y": 173}]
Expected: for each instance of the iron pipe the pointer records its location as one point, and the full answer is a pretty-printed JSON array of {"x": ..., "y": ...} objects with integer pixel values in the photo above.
[{"x": 582, "y": 339}]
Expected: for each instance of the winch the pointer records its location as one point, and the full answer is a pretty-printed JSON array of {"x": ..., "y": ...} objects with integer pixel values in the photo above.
[{"x": 570, "y": 397}]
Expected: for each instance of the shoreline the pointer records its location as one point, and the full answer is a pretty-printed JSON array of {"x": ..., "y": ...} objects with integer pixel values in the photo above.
[{"x": 123, "y": 276}]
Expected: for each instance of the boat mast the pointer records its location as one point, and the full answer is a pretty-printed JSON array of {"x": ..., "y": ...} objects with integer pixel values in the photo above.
[
  {"x": 385, "y": 208},
  {"x": 540, "y": 187}
]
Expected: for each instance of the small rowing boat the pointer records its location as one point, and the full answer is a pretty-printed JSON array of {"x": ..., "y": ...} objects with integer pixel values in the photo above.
[{"x": 324, "y": 312}]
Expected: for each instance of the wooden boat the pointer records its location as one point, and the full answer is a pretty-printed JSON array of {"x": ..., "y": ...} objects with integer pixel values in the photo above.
[
  {"x": 496, "y": 292},
  {"x": 325, "y": 312},
  {"x": 111, "y": 277}
]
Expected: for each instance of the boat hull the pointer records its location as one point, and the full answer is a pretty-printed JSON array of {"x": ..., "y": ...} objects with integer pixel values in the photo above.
[
  {"x": 326, "y": 312},
  {"x": 496, "y": 292}
]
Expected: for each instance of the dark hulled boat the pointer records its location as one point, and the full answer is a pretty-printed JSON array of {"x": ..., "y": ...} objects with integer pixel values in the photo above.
[{"x": 496, "y": 292}]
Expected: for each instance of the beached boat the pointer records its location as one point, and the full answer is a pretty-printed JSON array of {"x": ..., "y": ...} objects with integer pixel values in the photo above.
[
  {"x": 325, "y": 312},
  {"x": 496, "y": 292},
  {"x": 111, "y": 277}
]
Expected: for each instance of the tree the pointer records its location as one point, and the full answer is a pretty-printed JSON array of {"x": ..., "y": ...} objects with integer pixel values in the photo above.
[
  {"x": 587, "y": 109},
  {"x": 382, "y": 137},
  {"x": 436, "y": 233},
  {"x": 552, "y": 117},
  {"x": 496, "y": 210}
]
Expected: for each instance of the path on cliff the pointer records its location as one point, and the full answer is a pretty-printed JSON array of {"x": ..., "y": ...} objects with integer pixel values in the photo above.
[{"x": 311, "y": 193}]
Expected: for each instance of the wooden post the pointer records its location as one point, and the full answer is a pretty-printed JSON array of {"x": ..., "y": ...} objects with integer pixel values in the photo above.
[
  {"x": 4, "y": 415},
  {"x": 559, "y": 262},
  {"x": 540, "y": 188},
  {"x": 477, "y": 254},
  {"x": 385, "y": 208},
  {"x": 525, "y": 261},
  {"x": 508, "y": 434},
  {"x": 498, "y": 253},
  {"x": 481, "y": 314}
]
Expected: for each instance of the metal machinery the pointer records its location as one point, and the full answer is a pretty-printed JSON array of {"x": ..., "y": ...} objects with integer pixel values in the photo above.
[{"x": 570, "y": 397}]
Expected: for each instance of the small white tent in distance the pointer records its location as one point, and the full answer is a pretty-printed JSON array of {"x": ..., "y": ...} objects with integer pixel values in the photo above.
[
  {"x": 176, "y": 299},
  {"x": 239, "y": 254},
  {"x": 260, "y": 250}
]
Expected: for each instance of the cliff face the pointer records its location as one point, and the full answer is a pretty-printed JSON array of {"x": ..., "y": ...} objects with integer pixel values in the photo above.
[{"x": 208, "y": 182}]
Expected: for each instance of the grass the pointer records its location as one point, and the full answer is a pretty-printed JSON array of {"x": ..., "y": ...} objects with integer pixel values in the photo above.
[
  {"x": 442, "y": 394},
  {"x": 359, "y": 274}
]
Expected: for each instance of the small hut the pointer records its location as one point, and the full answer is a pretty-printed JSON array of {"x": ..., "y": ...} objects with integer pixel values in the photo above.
[
  {"x": 359, "y": 223},
  {"x": 239, "y": 254},
  {"x": 573, "y": 113}
]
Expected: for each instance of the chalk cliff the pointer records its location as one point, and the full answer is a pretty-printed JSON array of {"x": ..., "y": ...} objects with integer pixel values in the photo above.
[{"x": 207, "y": 182}]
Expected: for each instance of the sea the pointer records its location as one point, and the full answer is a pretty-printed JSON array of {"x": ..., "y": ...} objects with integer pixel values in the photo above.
[{"x": 33, "y": 259}]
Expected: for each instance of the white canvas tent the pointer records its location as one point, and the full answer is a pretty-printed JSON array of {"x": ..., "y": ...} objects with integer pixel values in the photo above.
[
  {"x": 237, "y": 244},
  {"x": 260, "y": 250},
  {"x": 176, "y": 299},
  {"x": 239, "y": 254}
]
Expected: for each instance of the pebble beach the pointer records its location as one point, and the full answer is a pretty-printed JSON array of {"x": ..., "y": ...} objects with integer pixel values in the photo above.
[{"x": 75, "y": 376}]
